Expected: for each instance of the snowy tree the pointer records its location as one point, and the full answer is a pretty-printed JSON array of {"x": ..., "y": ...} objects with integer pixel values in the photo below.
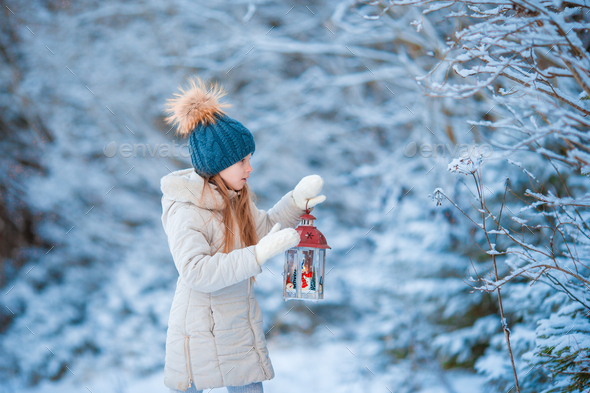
[{"x": 324, "y": 91}]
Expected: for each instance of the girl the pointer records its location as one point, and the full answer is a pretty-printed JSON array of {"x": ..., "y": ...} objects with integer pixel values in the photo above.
[{"x": 219, "y": 240}]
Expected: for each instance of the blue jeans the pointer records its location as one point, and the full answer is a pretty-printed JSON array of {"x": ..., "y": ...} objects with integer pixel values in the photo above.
[{"x": 255, "y": 387}]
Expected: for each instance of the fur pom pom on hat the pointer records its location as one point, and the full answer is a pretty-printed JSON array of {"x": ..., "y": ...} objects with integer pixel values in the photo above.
[
  {"x": 216, "y": 141},
  {"x": 195, "y": 105}
]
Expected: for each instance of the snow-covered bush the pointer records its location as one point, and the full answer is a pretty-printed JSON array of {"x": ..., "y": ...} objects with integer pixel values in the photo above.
[{"x": 529, "y": 62}]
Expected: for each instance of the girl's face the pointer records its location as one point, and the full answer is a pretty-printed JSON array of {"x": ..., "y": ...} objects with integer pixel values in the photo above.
[{"x": 235, "y": 176}]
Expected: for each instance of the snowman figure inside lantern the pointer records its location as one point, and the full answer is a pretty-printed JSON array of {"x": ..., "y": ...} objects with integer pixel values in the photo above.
[{"x": 303, "y": 277}]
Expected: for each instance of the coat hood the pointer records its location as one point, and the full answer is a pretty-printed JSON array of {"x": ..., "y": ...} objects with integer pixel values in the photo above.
[{"x": 186, "y": 185}]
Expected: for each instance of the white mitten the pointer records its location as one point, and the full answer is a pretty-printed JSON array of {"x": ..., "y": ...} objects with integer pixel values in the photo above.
[
  {"x": 306, "y": 190},
  {"x": 275, "y": 242}
]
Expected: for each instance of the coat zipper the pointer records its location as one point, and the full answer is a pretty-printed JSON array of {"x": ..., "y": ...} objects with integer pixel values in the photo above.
[
  {"x": 250, "y": 323},
  {"x": 188, "y": 362}
]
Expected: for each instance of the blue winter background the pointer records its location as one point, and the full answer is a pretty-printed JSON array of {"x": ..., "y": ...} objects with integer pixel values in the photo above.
[{"x": 86, "y": 275}]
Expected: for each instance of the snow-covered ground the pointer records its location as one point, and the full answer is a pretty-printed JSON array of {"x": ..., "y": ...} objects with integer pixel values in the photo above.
[{"x": 299, "y": 367}]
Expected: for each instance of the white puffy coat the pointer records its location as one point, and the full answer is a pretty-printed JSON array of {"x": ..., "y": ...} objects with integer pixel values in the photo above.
[{"x": 215, "y": 335}]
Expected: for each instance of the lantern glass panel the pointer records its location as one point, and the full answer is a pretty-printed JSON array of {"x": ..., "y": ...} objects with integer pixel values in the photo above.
[
  {"x": 290, "y": 274},
  {"x": 321, "y": 266},
  {"x": 308, "y": 274}
]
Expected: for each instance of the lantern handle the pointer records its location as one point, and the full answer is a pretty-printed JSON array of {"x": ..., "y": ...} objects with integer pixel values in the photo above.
[{"x": 306, "y": 209}]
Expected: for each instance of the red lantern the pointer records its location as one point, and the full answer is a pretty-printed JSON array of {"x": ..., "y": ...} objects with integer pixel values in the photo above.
[{"x": 303, "y": 277}]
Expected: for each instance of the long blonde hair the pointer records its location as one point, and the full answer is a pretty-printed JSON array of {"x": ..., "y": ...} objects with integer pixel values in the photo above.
[{"x": 238, "y": 207}]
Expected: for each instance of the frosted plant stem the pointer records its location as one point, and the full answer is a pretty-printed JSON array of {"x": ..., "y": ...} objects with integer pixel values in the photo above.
[
  {"x": 503, "y": 321},
  {"x": 505, "y": 328}
]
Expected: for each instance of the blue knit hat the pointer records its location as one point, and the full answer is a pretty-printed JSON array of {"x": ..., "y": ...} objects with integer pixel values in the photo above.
[
  {"x": 216, "y": 141},
  {"x": 214, "y": 147}
]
